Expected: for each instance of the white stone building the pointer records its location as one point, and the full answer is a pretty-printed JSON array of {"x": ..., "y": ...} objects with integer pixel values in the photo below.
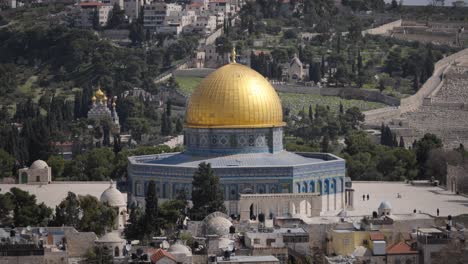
[
  {"x": 88, "y": 12},
  {"x": 132, "y": 8},
  {"x": 112, "y": 241},
  {"x": 38, "y": 173},
  {"x": 295, "y": 70},
  {"x": 155, "y": 14},
  {"x": 220, "y": 6},
  {"x": 114, "y": 198}
]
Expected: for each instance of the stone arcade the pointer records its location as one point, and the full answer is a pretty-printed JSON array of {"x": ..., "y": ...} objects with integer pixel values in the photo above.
[{"x": 234, "y": 121}]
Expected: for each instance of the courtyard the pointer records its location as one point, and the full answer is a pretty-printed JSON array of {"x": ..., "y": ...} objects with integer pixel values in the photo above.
[{"x": 425, "y": 199}]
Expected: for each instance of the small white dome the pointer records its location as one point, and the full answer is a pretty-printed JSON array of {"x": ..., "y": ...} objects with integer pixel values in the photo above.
[
  {"x": 178, "y": 248},
  {"x": 385, "y": 205},
  {"x": 38, "y": 164},
  {"x": 113, "y": 197},
  {"x": 218, "y": 226}
]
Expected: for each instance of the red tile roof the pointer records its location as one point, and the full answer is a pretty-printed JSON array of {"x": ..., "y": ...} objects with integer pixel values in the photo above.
[
  {"x": 195, "y": 5},
  {"x": 159, "y": 254},
  {"x": 400, "y": 249},
  {"x": 377, "y": 236}
]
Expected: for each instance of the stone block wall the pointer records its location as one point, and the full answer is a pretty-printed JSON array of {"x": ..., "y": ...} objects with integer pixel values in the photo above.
[
  {"x": 384, "y": 29},
  {"x": 78, "y": 243},
  {"x": 411, "y": 103}
]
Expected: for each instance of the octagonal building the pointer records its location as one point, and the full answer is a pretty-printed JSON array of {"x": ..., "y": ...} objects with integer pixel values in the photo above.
[{"x": 234, "y": 121}]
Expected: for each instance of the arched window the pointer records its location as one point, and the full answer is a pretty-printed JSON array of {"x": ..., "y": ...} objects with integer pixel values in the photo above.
[
  {"x": 38, "y": 178},
  {"x": 138, "y": 188},
  {"x": 116, "y": 252},
  {"x": 312, "y": 186}
]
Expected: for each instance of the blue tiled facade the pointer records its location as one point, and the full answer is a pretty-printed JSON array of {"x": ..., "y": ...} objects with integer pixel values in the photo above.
[{"x": 258, "y": 166}]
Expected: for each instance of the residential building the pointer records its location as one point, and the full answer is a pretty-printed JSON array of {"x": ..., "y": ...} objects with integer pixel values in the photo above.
[
  {"x": 431, "y": 241},
  {"x": 113, "y": 2},
  {"x": 155, "y": 14},
  {"x": 91, "y": 14},
  {"x": 220, "y": 6},
  {"x": 132, "y": 8}
]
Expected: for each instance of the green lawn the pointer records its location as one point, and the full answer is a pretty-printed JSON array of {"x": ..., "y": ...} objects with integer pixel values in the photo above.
[
  {"x": 298, "y": 101},
  {"x": 187, "y": 84},
  {"x": 26, "y": 87}
]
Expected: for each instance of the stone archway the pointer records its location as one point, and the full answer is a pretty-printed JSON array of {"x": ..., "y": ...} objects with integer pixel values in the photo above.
[{"x": 280, "y": 204}]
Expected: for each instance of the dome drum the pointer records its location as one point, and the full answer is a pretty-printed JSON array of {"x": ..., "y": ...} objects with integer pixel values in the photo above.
[{"x": 220, "y": 141}]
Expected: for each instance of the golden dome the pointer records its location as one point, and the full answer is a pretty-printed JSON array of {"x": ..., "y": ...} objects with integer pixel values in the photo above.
[
  {"x": 93, "y": 98},
  {"x": 234, "y": 96},
  {"x": 100, "y": 94}
]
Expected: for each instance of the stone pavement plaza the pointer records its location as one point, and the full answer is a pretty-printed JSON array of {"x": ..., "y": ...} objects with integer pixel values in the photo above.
[
  {"x": 422, "y": 198},
  {"x": 52, "y": 194},
  {"x": 425, "y": 199}
]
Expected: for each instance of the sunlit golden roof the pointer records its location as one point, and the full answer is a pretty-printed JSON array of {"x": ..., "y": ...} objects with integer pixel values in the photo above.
[
  {"x": 100, "y": 94},
  {"x": 234, "y": 96}
]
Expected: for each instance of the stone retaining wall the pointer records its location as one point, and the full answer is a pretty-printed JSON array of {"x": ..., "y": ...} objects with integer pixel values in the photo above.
[
  {"x": 383, "y": 29},
  {"x": 345, "y": 92},
  {"x": 194, "y": 72},
  {"x": 411, "y": 103}
]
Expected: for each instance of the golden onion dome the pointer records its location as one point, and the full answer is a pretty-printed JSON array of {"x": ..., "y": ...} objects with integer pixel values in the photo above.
[
  {"x": 93, "y": 98},
  {"x": 100, "y": 94},
  {"x": 234, "y": 96}
]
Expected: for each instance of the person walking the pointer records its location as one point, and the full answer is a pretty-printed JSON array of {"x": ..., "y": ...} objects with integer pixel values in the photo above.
[
  {"x": 367, "y": 197},
  {"x": 363, "y": 197},
  {"x": 438, "y": 211}
]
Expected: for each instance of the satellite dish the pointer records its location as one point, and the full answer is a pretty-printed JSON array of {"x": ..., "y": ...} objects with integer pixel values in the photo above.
[
  {"x": 28, "y": 228},
  {"x": 357, "y": 225},
  {"x": 128, "y": 247},
  {"x": 41, "y": 230}
]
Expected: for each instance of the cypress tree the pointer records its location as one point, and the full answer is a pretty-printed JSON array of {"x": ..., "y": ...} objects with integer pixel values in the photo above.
[
  {"x": 169, "y": 108},
  {"x": 151, "y": 222},
  {"x": 341, "y": 108},
  {"x": 359, "y": 61},
  {"x": 207, "y": 196},
  {"x": 382, "y": 132},
  {"x": 311, "y": 113},
  {"x": 394, "y": 141},
  {"x": 402, "y": 142},
  {"x": 324, "y": 144},
  {"x": 179, "y": 127},
  {"x": 164, "y": 125}
]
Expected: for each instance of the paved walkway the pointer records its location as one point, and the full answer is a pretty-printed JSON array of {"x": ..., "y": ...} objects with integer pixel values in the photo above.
[{"x": 425, "y": 199}]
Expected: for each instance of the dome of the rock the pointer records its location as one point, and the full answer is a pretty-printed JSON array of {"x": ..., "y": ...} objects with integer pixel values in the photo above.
[{"x": 234, "y": 96}]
